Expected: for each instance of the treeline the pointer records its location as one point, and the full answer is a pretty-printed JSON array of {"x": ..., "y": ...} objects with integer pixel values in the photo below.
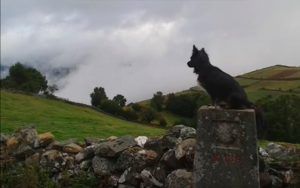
[{"x": 132, "y": 112}]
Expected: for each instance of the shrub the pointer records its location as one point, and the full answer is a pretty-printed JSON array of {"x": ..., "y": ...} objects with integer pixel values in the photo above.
[
  {"x": 162, "y": 122},
  {"x": 111, "y": 107}
]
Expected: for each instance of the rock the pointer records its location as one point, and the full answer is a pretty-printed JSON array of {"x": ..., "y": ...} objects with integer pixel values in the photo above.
[
  {"x": 156, "y": 145},
  {"x": 33, "y": 160},
  {"x": 102, "y": 166},
  {"x": 12, "y": 143},
  {"x": 52, "y": 158},
  {"x": 149, "y": 155},
  {"x": 186, "y": 146},
  {"x": 112, "y": 148},
  {"x": 137, "y": 158},
  {"x": 56, "y": 145},
  {"x": 111, "y": 138},
  {"x": 52, "y": 155},
  {"x": 86, "y": 153},
  {"x": 72, "y": 148},
  {"x": 288, "y": 177},
  {"x": 149, "y": 180},
  {"x": 263, "y": 152},
  {"x": 170, "y": 160},
  {"x": 85, "y": 165},
  {"x": 125, "y": 186},
  {"x": 141, "y": 140},
  {"x": 70, "y": 141},
  {"x": 3, "y": 138},
  {"x": 28, "y": 135},
  {"x": 23, "y": 151},
  {"x": 175, "y": 131},
  {"x": 276, "y": 182},
  {"x": 160, "y": 172},
  {"x": 273, "y": 148},
  {"x": 68, "y": 162},
  {"x": 169, "y": 142},
  {"x": 92, "y": 141},
  {"x": 130, "y": 176},
  {"x": 187, "y": 132},
  {"x": 186, "y": 151},
  {"x": 45, "y": 138},
  {"x": 113, "y": 181},
  {"x": 265, "y": 180},
  {"x": 179, "y": 179}
]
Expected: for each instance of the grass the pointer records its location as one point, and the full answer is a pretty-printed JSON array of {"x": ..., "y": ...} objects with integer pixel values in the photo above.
[
  {"x": 274, "y": 72},
  {"x": 64, "y": 120},
  {"x": 264, "y": 144}
]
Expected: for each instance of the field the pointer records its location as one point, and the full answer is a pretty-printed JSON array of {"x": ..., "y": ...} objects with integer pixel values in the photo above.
[{"x": 64, "y": 120}]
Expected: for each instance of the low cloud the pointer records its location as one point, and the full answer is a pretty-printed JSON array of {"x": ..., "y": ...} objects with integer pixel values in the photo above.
[{"x": 137, "y": 48}]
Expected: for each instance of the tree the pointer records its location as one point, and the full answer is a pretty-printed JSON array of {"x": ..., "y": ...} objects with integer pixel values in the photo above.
[
  {"x": 157, "y": 101},
  {"x": 98, "y": 96},
  {"x": 24, "y": 78},
  {"x": 120, "y": 100}
]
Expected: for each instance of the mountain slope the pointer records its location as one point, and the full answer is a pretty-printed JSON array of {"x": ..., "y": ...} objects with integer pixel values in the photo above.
[{"x": 64, "y": 120}]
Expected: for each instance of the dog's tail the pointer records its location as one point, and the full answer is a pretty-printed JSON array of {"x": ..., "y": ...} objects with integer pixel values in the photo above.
[{"x": 261, "y": 123}]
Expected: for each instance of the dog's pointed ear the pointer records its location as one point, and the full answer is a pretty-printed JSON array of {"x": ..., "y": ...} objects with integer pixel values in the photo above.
[
  {"x": 195, "y": 49},
  {"x": 202, "y": 50}
]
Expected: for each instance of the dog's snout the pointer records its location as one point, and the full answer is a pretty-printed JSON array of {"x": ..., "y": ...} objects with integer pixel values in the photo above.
[{"x": 189, "y": 64}]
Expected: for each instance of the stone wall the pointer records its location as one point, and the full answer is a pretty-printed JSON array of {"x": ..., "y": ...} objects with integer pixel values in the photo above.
[{"x": 123, "y": 162}]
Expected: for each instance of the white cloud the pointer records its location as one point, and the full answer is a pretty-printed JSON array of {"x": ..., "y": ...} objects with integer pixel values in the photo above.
[{"x": 137, "y": 48}]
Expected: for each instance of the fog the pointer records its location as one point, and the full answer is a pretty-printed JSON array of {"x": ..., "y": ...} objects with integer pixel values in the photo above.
[{"x": 136, "y": 48}]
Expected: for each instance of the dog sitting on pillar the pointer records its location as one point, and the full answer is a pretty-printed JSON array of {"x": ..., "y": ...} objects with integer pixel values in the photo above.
[{"x": 222, "y": 88}]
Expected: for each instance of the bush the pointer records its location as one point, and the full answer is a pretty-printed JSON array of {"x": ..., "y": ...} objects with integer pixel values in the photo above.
[
  {"x": 283, "y": 118},
  {"x": 186, "y": 104},
  {"x": 25, "y": 176},
  {"x": 111, "y": 107},
  {"x": 137, "y": 107},
  {"x": 147, "y": 115},
  {"x": 187, "y": 122},
  {"x": 130, "y": 114},
  {"x": 162, "y": 122}
]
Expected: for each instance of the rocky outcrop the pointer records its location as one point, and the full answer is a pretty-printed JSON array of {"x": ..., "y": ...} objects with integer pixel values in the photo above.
[{"x": 127, "y": 162}]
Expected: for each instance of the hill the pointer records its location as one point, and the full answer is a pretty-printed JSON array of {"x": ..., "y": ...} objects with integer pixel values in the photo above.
[
  {"x": 275, "y": 80},
  {"x": 64, "y": 120},
  {"x": 270, "y": 81}
]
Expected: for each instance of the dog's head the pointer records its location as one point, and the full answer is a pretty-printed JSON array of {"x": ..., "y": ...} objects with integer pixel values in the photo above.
[{"x": 199, "y": 59}]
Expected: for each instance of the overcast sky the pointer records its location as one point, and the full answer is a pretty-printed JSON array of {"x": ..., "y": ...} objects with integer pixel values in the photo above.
[{"x": 136, "y": 48}]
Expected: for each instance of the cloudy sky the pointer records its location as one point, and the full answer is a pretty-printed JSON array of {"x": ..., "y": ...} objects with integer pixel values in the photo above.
[{"x": 136, "y": 48}]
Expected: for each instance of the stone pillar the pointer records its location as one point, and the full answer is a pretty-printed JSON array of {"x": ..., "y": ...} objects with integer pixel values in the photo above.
[{"x": 226, "y": 150}]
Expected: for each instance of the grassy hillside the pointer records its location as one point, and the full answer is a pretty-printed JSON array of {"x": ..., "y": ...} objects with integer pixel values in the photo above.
[
  {"x": 64, "y": 120},
  {"x": 271, "y": 81},
  {"x": 275, "y": 80}
]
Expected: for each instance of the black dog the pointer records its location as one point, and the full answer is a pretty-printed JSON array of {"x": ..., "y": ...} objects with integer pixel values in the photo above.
[{"x": 223, "y": 89}]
